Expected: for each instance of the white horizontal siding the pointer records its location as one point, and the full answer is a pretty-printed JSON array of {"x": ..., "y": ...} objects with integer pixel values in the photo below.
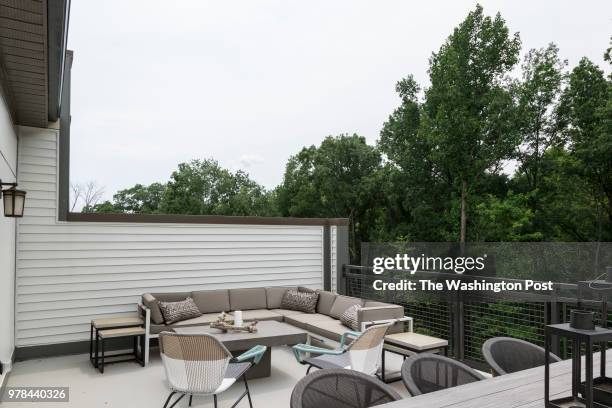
[{"x": 69, "y": 273}]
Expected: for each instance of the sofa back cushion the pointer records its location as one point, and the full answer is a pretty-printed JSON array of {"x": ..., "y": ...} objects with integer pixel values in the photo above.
[
  {"x": 247, "y": 299},
  {"x": 373, "y": 303},
  {"x": 326, "y": 301},
  {"x": 212, "y": 301},
  {"x": 150, "y": 300},
  {"x": 342, "y": 303},
  {"x": 274, "y": 297}
]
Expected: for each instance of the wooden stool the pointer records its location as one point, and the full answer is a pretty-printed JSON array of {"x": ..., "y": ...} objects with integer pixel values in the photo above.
[
  {"x": 137, "y": 333},
  {"x": 108, "y": 323}
]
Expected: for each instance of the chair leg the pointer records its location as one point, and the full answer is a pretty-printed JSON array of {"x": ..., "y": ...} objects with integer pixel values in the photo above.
[
  {"x": 175, "y": 402},
  {"x": 168, "y": 399},
  {"x": 190, "y": 399},
  {"x": 215, "y": 399},
  {"x": 248, "y": 392}
]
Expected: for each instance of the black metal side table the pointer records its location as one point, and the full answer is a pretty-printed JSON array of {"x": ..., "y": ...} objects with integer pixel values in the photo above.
[
  {"x": 105, "y": 324},
  {"x": 138, "y": 338},
  {"x": 578, "y": 337}
]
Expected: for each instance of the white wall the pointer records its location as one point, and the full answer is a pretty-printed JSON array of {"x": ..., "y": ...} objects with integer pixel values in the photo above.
[
  {"x": 69, "y": 273},
  {"x": 8, "y": 148}
]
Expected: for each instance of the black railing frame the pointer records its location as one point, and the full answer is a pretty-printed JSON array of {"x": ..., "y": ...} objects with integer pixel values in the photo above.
[{"x": 553, "y": 302}]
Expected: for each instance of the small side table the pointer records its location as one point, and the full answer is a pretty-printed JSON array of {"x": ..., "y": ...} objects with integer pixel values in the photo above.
[
  {"x": 108, "y": 323},
  {"x": 406, "y": 344},
  {"x": 578, "y": 337},
  {"x": 136, "y": 333}
]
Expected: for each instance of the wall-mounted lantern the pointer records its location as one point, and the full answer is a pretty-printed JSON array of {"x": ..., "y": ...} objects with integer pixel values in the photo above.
[{"x": 13, "y": 199}]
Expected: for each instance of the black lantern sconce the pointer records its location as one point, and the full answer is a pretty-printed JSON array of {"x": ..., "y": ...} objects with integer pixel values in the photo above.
[{"x": 13, "y": 200}]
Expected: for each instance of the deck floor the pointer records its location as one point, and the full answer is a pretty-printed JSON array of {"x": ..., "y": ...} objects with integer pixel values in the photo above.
[{"x": 129, "y": 385}]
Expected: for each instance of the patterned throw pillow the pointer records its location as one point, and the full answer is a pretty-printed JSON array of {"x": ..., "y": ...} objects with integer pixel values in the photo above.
[
  {"x": 349, "y": 317},
  {"x": 176, "y": 311},
  {"x": 301, "y": 301}
]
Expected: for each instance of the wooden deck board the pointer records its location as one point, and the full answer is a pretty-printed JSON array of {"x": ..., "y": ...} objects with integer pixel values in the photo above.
[{"x": 523, "y": 389}]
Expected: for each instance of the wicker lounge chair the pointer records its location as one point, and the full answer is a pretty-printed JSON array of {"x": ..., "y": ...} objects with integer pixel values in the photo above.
[
  {"x": 507, "y": 355},
  {"x": 362, "y": 354},
  {"x": 341, "y": 388},
  {"x": 201, "y": 365},
  {"x": 424, "y": 373}
]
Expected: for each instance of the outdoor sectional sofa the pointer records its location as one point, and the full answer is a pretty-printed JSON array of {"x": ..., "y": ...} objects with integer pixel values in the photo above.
[{"x": 265, "y": 304}]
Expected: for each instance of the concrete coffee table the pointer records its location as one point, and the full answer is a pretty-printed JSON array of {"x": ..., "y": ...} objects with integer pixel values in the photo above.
[{"x": 269, "y": 333}]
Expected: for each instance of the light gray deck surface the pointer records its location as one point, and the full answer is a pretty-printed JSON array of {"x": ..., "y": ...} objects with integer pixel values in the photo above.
[{"x": 128, "y": 385}]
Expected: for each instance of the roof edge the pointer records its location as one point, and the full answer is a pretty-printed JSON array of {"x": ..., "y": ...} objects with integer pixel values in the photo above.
[{"x": 202, "y": 219}]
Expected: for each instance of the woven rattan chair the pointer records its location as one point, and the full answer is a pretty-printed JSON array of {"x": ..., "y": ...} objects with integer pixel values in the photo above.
[
  {"x": 362, "y": 354},
  {"x": 201, "y": 365},
  {"x": 506, "y": 355},
  {"x": 341, "y": 388},
  {"x": 424, "y": 373}
]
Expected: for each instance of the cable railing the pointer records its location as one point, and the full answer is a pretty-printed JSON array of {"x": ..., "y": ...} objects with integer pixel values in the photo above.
[{"x": 468, "y": 319}]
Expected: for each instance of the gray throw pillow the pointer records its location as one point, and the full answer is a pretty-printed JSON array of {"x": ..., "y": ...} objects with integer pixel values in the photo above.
[
  {"x": 177, "y": 311},
  {"x": 301, "y": 301},
  {"x": 349, "y": 317}
]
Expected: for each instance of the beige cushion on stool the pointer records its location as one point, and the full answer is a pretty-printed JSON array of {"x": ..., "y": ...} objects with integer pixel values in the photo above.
[
  {"x": 117, "y": 322},
  {"x": 123, "y": 332}
]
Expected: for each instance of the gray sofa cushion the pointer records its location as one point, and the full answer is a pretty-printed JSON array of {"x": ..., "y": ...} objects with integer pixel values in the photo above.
[
  {"x": 246, "y": 299},
  {"x": 342, "y": 303},
  {"x": 330, "y": 329},
  {"x": 150, "y": 300},
  {"x": 286, "y": 312},
  {"x": 303, "y": 319},
  {"x": 386, "y": 312},
  {"x": 326, "y": 301},
  {"x": 203, "y": 320},
  {"x": 212, "y": 301},
  {"x": 261, "y": 314},
  {"x": 274, "y": 297},
  {"x": 372, "y": 303}
]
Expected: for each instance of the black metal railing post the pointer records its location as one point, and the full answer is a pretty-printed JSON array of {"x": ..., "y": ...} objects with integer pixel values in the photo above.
[
  {"x": 554, "y": 317},
  {"x": 458, "y": 313}
]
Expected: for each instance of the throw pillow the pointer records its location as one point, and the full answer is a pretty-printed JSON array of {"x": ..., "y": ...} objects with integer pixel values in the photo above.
[
  {"x": 301, "y": 301},
  {"x": 349, "y": 317},
  {"x": 306, "y": 290},
  {"x": 177, "y": 311}
]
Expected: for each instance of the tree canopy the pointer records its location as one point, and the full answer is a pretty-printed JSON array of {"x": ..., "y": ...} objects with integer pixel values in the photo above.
[{"x": 491, "y": 149}]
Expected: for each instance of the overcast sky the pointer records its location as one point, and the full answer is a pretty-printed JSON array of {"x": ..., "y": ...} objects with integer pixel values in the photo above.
[{"x": 249, "y": 83}]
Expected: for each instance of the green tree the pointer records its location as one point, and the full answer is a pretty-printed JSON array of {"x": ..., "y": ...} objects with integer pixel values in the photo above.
[
  {"x": 415, "y": 192},
  {"x": 203, "y": 187},
  {"x": 470, "y": 114},
  {"x": 138, "y": 199},
  {"x": 538, "y": 93},
  {"x": 585, "y": 111},
  {"x": 336, "y": 179}
]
